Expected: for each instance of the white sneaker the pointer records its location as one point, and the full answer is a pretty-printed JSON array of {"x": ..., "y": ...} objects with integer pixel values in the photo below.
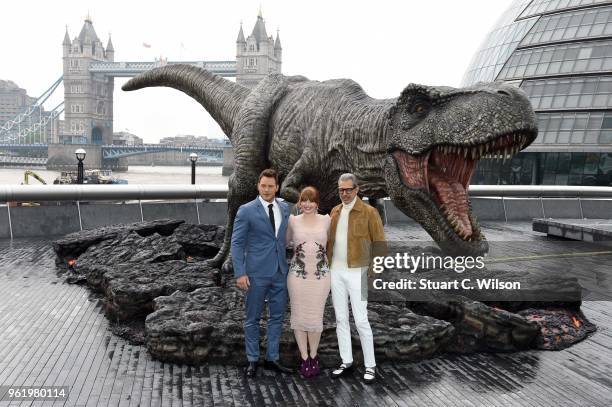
[
  {"x": 370, "y": 375},
  {"x": 342, "y": 370}
]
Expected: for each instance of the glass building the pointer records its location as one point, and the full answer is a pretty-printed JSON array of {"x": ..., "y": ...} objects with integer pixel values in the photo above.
[{"x": 560, "y": 53}]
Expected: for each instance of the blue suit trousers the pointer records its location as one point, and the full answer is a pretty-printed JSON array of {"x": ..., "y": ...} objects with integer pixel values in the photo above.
[{"x": 274, "y": 289}]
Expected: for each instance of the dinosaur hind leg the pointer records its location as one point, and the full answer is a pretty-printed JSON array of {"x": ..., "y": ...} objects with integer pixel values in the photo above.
[
  {"x": 223, "y": 258},
  {"x": 250, "y": 139}
]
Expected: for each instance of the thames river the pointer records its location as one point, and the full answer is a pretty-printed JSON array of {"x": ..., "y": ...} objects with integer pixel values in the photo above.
[{"x": 134, "y": 175}]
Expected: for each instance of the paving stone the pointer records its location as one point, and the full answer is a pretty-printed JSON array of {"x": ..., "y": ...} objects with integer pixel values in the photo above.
[{"x": 43, "y": 321}]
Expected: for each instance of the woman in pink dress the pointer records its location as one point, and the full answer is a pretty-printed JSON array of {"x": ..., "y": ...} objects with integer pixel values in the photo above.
[{"x": 308, "y": 280}]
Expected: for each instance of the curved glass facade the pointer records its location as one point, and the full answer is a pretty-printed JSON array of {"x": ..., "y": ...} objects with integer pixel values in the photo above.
[
  {"x": 592, "y": 130},
  {"x": 499, "y": 45},
  {"x": 570, "y": 26},
  {"x": 560, "y": 53},
  {"x": 570, "y": 93},
  {"x": 539, "y": 7},
  {"x": 562, "y": 59}
]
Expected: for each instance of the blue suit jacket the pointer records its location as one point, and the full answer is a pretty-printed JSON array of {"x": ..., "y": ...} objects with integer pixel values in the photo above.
[{"x": 256, "y": 251}]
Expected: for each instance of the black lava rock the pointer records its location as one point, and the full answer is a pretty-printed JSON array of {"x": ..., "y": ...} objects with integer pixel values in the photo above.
[
  {"x": 206, "y": 325},
  {"x": 130, "y": 289},
  {"x": 73, "y": 245}
]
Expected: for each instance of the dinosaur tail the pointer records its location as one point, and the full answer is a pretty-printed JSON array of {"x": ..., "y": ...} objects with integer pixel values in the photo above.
[{"x": 220, "y": 97}]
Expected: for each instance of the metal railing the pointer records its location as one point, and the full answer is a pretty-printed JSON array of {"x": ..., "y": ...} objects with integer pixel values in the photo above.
[
  {"x": 79, "y": 193},
  {"x": 540, "y": 191},
  {"x": 133, "y": 191},
  {"x": 9, "y": 193}
]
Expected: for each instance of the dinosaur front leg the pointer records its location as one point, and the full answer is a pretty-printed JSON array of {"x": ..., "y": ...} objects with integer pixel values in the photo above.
[
  {"x": 290, "y": 190},
  {"x": 297, "y": 178}
]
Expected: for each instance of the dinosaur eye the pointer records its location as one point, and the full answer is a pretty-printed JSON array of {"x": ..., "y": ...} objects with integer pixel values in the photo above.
[{"x": 421, "y": 108}]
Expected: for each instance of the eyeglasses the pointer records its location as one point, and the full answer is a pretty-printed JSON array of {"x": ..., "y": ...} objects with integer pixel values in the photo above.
[{"x": 346, "y": 190}]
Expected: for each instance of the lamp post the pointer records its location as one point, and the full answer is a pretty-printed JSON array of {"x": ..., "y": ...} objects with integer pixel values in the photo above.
[
  {"x": 80, "y": 155},
  {"x": 193, "y": 157}
]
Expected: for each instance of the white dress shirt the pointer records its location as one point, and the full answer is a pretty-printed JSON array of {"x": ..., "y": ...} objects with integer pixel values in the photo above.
[{"x": 275, "y": 209}]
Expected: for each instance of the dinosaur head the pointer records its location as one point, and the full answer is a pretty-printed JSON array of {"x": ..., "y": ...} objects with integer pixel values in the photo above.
[{"x": 435, "y": 138}]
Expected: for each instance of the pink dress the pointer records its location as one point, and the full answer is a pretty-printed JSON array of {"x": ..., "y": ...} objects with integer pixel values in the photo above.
[{"x": 308, "y": 280}]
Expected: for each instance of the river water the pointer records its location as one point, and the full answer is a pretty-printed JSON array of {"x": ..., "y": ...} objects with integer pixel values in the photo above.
[{"x": 134, "y": 175}]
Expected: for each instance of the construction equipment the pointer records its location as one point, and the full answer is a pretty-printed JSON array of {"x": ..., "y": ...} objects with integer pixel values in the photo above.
[
  {"x": 26, "y": 181},
  {"x": 29, "y": 173}
]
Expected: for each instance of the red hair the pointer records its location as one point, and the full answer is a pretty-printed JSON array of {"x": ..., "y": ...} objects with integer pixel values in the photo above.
[{"x": 309, "y": 194}]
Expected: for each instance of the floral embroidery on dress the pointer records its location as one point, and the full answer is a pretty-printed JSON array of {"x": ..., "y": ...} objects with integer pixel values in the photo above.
[
  {"x": 297, "y": 264},
  {"x": 322, "y": 266}
]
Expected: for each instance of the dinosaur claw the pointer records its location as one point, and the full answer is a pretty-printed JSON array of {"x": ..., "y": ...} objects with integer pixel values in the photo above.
[{"x": 227, "y": 267}]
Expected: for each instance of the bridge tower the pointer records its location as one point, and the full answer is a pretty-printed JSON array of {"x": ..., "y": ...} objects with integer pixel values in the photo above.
[
  {"x": 88, "y": 97},
  {"x": 258, "y": 55}
]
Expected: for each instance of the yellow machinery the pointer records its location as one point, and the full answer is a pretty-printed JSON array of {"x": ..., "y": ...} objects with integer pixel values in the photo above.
[
  {"x": 26, "y": 181},
  {"x": 29, "y": 173}
]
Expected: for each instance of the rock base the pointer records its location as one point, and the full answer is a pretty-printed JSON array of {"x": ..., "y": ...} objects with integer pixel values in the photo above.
[
  {"x": 159, "y": 290},
  {"x": 206, "y": 325}
]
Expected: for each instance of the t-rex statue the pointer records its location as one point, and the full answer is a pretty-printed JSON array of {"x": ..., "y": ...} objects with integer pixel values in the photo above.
[{"x": 420, "y": 149}]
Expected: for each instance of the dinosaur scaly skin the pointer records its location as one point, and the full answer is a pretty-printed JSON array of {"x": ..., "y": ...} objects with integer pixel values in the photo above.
[{"x": 420, "y": 149}]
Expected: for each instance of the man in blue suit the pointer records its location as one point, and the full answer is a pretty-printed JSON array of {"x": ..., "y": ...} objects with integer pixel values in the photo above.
[{"x": 260, "y": 268}]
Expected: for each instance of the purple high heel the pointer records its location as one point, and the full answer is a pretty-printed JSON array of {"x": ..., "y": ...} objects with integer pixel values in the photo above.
[
  {"x": 305, "y": 367},
  {"x": 315, "y": 366}
]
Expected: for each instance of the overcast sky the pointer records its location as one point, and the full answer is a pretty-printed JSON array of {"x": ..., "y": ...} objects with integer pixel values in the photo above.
[{"x": 382, "y": 44}]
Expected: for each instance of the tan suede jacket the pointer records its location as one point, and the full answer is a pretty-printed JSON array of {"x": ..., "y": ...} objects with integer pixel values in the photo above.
[{"x": 364, "y": 227}]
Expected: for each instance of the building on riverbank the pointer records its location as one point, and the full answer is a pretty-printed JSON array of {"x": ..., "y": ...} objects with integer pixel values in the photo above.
[{"x": 560, "y": 54}]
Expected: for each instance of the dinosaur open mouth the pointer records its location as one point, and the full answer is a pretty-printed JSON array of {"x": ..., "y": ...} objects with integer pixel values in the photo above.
[{"x": 444, "y": 172}]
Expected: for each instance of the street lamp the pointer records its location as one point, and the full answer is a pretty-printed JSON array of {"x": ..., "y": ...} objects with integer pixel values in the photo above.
[
  {"x": 193, "y": 157},
  {"x": 80, "y": 155}
]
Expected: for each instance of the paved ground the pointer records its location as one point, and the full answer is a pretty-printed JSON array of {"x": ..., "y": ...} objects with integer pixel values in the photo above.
[{"x": 54, "y": 334}]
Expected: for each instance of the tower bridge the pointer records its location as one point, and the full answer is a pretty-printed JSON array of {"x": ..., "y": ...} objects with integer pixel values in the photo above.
[
  {"x": 89, "y": 69},
  {"x": 209, "y": 153},
  {"x": 130, "y": 69}
]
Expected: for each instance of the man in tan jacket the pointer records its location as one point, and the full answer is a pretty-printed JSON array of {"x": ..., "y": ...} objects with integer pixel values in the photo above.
[{"x": 355, "y": 228}]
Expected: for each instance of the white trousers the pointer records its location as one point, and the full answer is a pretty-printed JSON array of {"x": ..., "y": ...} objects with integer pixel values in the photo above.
[{"x": 344, "y": 284}]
